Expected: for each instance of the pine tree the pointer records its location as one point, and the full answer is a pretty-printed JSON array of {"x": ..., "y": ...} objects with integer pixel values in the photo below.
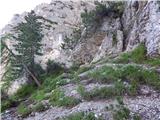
[{"x": 28, "y": 43}]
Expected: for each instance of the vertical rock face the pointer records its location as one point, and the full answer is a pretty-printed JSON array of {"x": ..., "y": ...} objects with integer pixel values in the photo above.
[
  {"x": 59, "y": 19},
  {"x": 113, "y": 40},
  {"x": 141, "y": 23}
]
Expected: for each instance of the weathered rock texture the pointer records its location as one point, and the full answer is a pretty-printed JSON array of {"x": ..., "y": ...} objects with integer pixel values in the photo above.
[
  {"x": 59, "y": 19},
  {"x": 141, "y": 23}
]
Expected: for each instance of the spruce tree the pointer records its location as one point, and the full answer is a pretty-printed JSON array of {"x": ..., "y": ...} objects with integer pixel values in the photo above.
[{"x": 28, "y": 45}]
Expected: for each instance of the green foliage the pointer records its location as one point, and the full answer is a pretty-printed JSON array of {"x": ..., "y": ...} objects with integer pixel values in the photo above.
[
  {"x": 101, "y": 93},
  {"x": 38, "y": 70},
  {"x": 136, "y": 117},
  {"x": 28, "y": 44},
  {"x": 83, "y": 69},
  {"x": 59, "y": 99},
  {"x": 81, "y": 90},
  {"x": 7, "y": 78},
  {"x": 38, "y": 96},
  {"x": 23, "y": 110},
  {"x": 105, "y": 74},
  {"x": 82, "y": 116},
  {"x": 7, "y": 103},
  {"x": 153, "y": 61},
  {"x": 51, "y": 82},
  {"x": 120, "y": 112},
  {"x": 88, "y": 18},
  {"x": 138, "y": 55},
  {"x": 133, "y": 89},
  {"x": 75, "y": 66},
  {"x": 38, "y": 107},
  {"x": 23, "y": 92},
  {"x": 133, "y": 74},
  {"x": 53, "y": 67},
  {"x": 71, "y": 42},
  {"x": 2, "y": 41},
  {"x": 93, "y": 18},
  {"x": 115, "y": 8}
]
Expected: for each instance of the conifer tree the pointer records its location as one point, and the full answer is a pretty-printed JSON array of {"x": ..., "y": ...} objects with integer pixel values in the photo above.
[{"x": 28, "y": 45}]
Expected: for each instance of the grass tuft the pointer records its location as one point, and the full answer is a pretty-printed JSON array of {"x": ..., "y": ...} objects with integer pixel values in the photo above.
[{"x": 58, "y": 98}]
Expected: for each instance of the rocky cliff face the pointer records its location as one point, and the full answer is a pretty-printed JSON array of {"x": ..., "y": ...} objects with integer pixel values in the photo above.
[
  {"x": 140, "y": 23},
  {"x": 102, "y": 81},
  {"x": 59, "y": 20}
]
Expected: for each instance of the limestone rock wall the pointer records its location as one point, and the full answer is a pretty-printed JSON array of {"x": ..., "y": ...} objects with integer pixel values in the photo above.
[
  {"x": 141, "y": 23},
  {"x": 59, "y": 19}
]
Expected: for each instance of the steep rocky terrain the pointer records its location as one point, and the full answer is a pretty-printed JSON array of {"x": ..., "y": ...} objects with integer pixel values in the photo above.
[{"x": 120, "y": 58}]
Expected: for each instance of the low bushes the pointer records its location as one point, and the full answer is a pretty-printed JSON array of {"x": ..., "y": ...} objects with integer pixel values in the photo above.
[
  {"x": 133, "y": 74},
  {"x": 23, "y": 92},
  {"x": 59, "y": 99},
  {"x": 103, "y": 93},
  {"x": 53, "y": 67},
  {"x": 82, "y": 116},
  {"x": 138, "y": 55},
  {"x": 23, "y": 110},
  {"x": 38, "y": 107},
  {"x": 38, "y": 95}
]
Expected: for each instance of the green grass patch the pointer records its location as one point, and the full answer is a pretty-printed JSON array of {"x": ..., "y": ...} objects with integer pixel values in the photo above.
[
  {"x": 58, "y": 98},
  {"x": 51, "y": 82},
  {"x": 134, "y": 75},
  {"x": 23, "y": 110},
  {"x": 153, "y": 61},
  {"x": 82, "y": 116},
  {"x": 121, "y": 112},
  {"x": 102, "y": 93},
  {"x": 23, "y": 92},
  {"x": 38, "y": 107},
  {"x": 38, "y": 95},
  {"x": 83, "y": 69},
  {"x": 138, "y": 55},
  {"x": 6, "y": 104}
]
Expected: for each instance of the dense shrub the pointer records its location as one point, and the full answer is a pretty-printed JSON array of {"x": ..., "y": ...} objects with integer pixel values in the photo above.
[
  {"x": 38, "y": 70},
  {"x": 58, "y": 98},
  {"x": 104, "y": 92},
  {"x": 7, "y": 103},
  {"x": 38, "y": 107},
  {"x": 23, "y": 110},
  {"x": 133, "y": 74},
  {"x": 138, "y": 55},
  {"x": 23, "y": 92},
  {"x": 93, "y": 18},
  {"x": 53, "y": 67},
  {"x": 38, "y": 95}
]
